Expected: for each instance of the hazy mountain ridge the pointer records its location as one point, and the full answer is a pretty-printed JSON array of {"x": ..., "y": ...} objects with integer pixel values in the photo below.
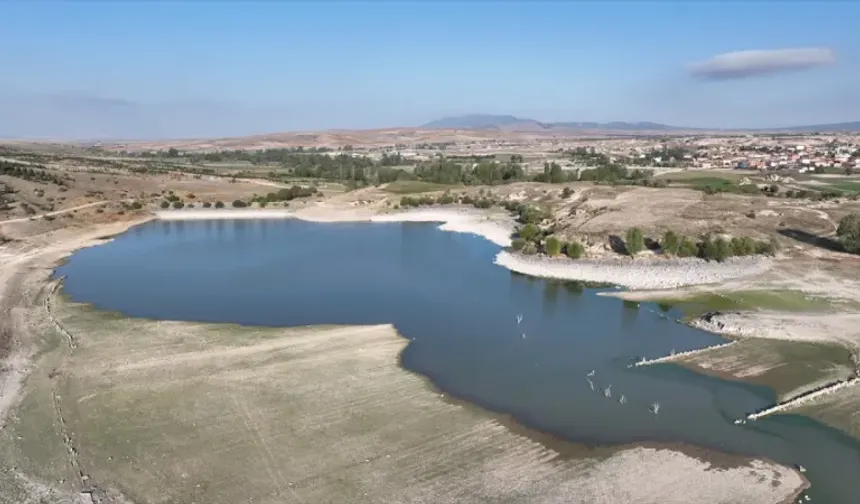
[{"x": 513, "y": 123}]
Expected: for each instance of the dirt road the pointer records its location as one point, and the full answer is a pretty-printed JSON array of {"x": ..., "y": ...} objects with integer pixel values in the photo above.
[{"x": 51, "y": 214}]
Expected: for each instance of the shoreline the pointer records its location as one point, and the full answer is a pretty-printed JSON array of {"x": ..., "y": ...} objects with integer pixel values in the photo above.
[
  {"x": 636, "y": 274},
  {"x": 50, "y": 253},
  {"x": 492, "y": 226},
  {"x": 498, "y": 227}
]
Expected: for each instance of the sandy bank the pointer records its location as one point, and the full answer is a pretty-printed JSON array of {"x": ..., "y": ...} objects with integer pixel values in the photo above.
[
  {"x": 25, "y": 268},
  {"x": 635, "y": 274},
  {"x": 223, "y": 213},
  {"x": 337, "y": 398},
  {"x": 493, "y": 226}
]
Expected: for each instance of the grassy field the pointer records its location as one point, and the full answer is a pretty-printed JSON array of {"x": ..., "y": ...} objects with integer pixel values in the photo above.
[
  {"x": 415, "y": 186},
  {"x": 779, "y": 300},
  {"x": 694, "y": 175}
]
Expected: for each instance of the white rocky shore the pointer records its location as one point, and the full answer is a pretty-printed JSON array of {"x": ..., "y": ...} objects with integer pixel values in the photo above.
[{"x": 652, "y": 273}]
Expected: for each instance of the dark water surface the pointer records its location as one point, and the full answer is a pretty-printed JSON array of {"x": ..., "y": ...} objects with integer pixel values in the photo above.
[{"x": 442, "y": 291}]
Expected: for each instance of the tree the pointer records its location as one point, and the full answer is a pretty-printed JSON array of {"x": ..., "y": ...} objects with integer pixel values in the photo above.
[
  {"x": 574, "y": 250},
  {"x": 635, "y": 241},
  {"x": 529, "y": 232},
  {"x": 553, "y": 246},
  {"x": 219, "y": 204},
  {"x": 848, "y": 232},
  {"x": 670, "y": 243}
]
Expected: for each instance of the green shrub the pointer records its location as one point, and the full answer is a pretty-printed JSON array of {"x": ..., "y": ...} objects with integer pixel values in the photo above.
[
  {"x": 164, "y": 204},
  {"x": 219, "y": 204},
  {"x": 530, "y": 248},
  {"x": 553, "y": 246},
  {"x": 687, "y": 248},
  {"x": 848, "y": 232},
  {"x": 178, "y": 204},
  {"x": 239, "y": 204},
  {"x": 529, "y": 232},
  {"x": 574, "y": 250},
  {"x": 670, "y": 243},
  {"x": 136, "y": 205},
  {"x": 207, "y": 204},
  {"x": 743, "y": 246},
  {"x": 715, "y": 249},
  {"x": 518, "y": 244},
  {"x": 635, "y": 241}
]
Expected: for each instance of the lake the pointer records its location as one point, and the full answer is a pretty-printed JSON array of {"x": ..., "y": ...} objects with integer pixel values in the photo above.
[{"x": 442, "y": 291}]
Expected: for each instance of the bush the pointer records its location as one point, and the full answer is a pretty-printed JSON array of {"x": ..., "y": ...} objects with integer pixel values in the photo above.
[
  {"x": 136, "y": 205},
  {"x": 445, "y": 199},
  {"x": 530, "y": 248},
  {"x": 567, "y": 192},
  {"x": 553, "y": 246},
  {"x": 717, "y": 249},
  {"x": 518, "y": 244},
  {"x": 574, "y": 250},
  {"x": 670, "y": 243},
  {"x": 239, "y": 204},
  {"x": 178, "y": 204},
  {"x": 219, "y": 204},
  {"x": 635, "y": 241},
  {"x": 529, "y": 232},
  {"x": 263, "y": 203},
  {"x": 206, "y": 204},
  {"x": 164, "y": 204},
  {"x": 687, "y": 248},
  {"x": 769, "y": 247},
  {"x": 743, "y": 246},
  {"x": 848, "y": 232}
]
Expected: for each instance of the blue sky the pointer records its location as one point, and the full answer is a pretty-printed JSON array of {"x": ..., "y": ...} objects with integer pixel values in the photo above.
[{"x": 148, "y": 69}]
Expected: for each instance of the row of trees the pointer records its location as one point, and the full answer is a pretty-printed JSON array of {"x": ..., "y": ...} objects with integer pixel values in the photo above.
[
  {"x": 33, "y": 173},
  {"x": 709, "y": 246}
]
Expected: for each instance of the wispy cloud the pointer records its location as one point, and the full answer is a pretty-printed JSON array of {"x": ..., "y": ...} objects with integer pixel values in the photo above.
[{"x": 743, "y": 64}]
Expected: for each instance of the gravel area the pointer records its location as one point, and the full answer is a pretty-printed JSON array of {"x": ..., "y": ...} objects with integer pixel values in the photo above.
[{"x": 635, "y": 274}]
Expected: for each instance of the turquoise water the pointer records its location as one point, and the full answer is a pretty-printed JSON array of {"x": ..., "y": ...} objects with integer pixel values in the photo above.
[{"x": 442, "y": 291}]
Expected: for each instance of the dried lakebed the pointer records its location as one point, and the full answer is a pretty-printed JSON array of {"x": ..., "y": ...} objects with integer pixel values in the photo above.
[
  {"x": 458, "y": 309},
  {"x": 188, "y": 412}
]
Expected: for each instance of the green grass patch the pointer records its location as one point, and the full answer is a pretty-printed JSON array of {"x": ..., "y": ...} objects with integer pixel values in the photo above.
[
  {"x": 844, "y": 186},
  {"x": 415, "y": 186},
  {"x": 686, "y": 176},
  {"x": 777, "y": 300}
]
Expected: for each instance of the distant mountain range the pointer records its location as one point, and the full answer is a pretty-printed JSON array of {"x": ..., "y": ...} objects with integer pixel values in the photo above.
[{"x": 513, "y": 123}]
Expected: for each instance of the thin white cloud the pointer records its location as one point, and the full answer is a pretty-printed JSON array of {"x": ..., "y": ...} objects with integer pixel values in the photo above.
[{"x": 743, "y": 64}]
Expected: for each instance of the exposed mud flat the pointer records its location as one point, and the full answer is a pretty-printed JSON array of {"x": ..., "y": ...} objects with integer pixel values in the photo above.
[
  {"x": 181, "y": 412},
  {"x": 837, "y": 410},
  {"x": 790, "y": 368}
]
